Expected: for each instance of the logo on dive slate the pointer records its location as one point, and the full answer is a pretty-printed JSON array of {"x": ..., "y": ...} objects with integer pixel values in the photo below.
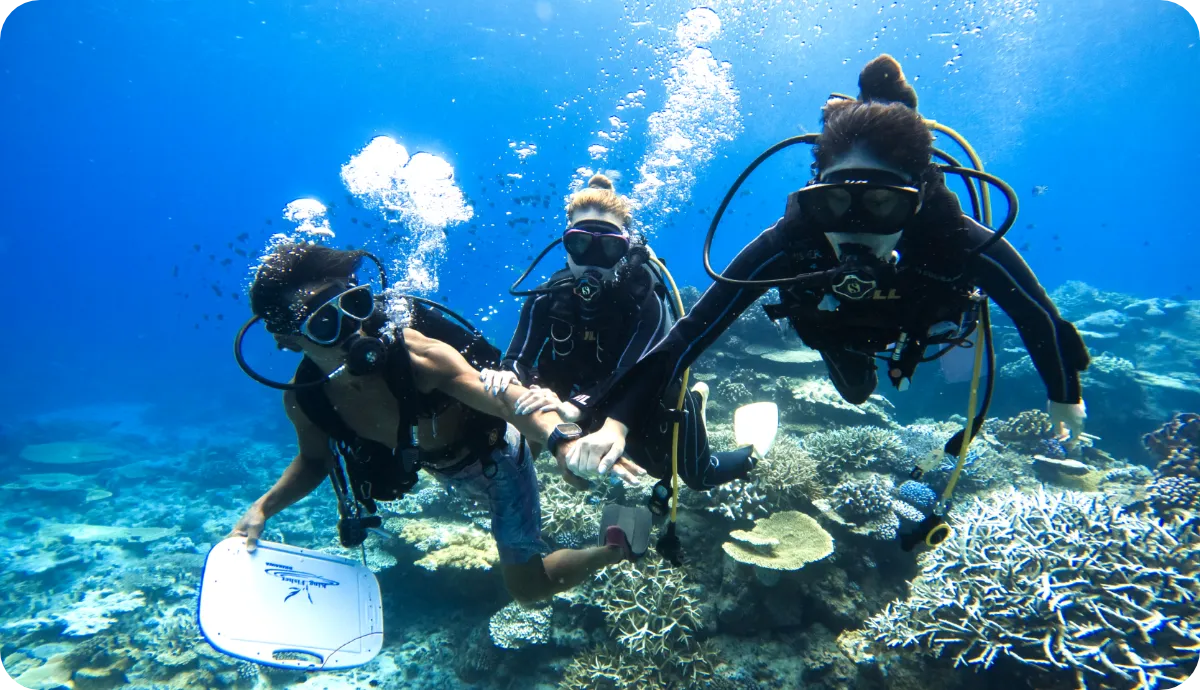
[{"x": 299, "y": 582}]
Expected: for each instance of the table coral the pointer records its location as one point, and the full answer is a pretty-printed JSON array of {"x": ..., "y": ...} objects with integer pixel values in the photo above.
[
  {"x": 93, "y": 614},
  {"x": 784, "y": 541},
  {"x": 1058, "y": 581}
]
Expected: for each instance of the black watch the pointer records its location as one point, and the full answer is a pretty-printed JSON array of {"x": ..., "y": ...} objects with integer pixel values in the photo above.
[{"x": 562, "y": 432}]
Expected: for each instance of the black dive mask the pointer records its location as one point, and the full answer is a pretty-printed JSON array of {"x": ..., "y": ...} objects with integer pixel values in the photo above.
[
  {"x": 334, "y": 318},
  {"x": 860, "y": 272}
]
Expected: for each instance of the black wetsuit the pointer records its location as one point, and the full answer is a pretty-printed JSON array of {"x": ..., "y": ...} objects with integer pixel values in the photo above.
[
  {"x": 931, "y": 287},
  {"x": 578, "y": 347}
]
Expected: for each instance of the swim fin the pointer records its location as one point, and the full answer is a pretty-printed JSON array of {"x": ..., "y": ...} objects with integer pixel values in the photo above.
[
  {"x": 633, "y": 523},
  {"x": 756, "y": 425}
]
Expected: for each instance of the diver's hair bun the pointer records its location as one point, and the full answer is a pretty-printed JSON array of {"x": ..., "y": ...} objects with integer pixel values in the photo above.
[
  {"x": 600, "y": 182},
  {"x": 883, "y": 80}
]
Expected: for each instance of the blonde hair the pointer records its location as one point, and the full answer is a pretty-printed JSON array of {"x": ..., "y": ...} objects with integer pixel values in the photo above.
[{"x": 599, "y": 194}]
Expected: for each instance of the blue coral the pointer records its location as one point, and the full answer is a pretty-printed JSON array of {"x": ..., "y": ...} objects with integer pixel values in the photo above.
[
  {"x": 917, "y": 494},
  {"x": 1050, "y": 448}
]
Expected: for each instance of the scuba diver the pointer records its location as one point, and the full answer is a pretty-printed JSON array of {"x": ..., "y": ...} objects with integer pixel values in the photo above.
[
  {"x": 874, "y": 255},
  {"x": 372, "y": 404},
  {"x": 590, "y": 322}
]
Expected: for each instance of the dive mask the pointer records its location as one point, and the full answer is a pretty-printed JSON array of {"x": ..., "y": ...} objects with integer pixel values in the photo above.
[
  {"x": 596, "y": 243},
  {"x": 340, "y": 311},
  {"x": 860, "y": 201}
]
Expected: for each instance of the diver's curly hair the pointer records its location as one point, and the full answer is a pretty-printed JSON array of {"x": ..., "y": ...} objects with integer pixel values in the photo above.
[
  {"x": 884, "y": 120},
  {"x": 285, "y": 269}
]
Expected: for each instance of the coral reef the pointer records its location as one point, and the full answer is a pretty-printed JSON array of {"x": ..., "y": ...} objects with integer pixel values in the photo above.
[
  {"x": 735, "y": 392},
  {"x": 784, "y": 541},
  {"x": 516, "y": 626},
  {"x": 654, "y": 613},
  {"x": 738, "y": 500},
  {"x": 1025, "y": 431},
  {"x": 917, "y": 494},
  {"x": 1058, "y": 581},
  {"x": 448, "y": 545},
  {"x": 854, "y": 448},
  {"x": 570, "y": 517},
  {"x": 788, "y": 474}
]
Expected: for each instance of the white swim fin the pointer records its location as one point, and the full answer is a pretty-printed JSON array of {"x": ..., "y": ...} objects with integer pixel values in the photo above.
[{"x": 756, "y": 425}]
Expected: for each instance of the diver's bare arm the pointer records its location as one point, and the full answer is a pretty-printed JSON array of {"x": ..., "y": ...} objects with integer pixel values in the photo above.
[
  {"x": 307, "y": 470},
  {"x": 439, "y": 366}
]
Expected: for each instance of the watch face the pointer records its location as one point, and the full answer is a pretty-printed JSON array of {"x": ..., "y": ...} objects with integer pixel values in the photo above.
[{"x": 569, "y": 429}]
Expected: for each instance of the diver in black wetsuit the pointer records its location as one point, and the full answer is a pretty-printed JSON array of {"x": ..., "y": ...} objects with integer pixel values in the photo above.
[
  {"x": 590, "y": 323},
  {"x": 901, "y": 267}
]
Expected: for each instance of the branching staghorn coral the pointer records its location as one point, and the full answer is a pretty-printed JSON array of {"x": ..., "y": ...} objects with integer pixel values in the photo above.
[
  {"x": 570, "y": 516},
  {"x": 854, "y": 448},
  {"x": 1059, "y": 581},
  {"x": 653, "y": 612}
]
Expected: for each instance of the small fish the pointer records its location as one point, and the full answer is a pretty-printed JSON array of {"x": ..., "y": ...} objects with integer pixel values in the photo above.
[
  {"x": 492, "y": 204},
  {"x": 229, "y": 245},
  {"x": 226, "y": 261},
  {"x": 366, "y": 225},
  {"x": 175, "y": 271},
  {"x": 243, "y": 237},
  {"x": 234, "y": 295},
  {"x": 196, "y": 326},
  {"x": 1058, "y": 249},
  {"x": 240, "y": 252},
  {"x": 471, "y": 231},
  {"x": 1024, "y": 247},
  {"x": 1187, "y": 287},
  {"x": 1146, "y": 243},
  {"x": 1056, "y": 237},
  {"x": 395, "y": 239},
  {"x": 217, "y": 290},
  {"x": 745, "y": 192},
  {"x": 205, "y": 317},
  {"x": 269, "y": 222},
  {"x": 354, "y": 220},
  {"x": 212, "y": 257},
  {"x": 530, "y": 258},
  {"x": 220, "y": 317},
  {"x": 195, "y": 247},
  {"x": 1029, "y": 226},
  {"x": 1040, "y": 189},
  {"x": 350, "y": 247}
]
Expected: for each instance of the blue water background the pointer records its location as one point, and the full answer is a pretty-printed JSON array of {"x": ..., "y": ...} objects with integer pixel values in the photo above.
[{"x": 131, "y": 131}]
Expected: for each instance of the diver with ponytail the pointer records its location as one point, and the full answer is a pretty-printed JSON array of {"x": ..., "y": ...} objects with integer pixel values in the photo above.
[
  {"x": 874, "y": 260},
  {"x": 590, "y": 323}
]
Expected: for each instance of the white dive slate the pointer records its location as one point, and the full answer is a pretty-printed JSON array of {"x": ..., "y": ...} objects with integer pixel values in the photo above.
[{"x": 289, "y": 607}]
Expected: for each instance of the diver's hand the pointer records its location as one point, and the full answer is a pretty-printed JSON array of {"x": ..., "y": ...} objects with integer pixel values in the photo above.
[
  {"x": 250, "y": 526},
  {"x": 599, "y": 453},
  {"x": 537, "y": 399},
  {"x": 569, "y": 412},
  {"x": 1067, "y": 421},
  {"x": 496, "y": 381},
  {"x": 564, "y": 450}
]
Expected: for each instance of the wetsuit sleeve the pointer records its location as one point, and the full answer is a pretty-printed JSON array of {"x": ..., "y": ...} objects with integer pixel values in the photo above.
[
  {"x": 533, "y": 328},
  {"x": 636, "y": 394},
  {"x": 652, "y": 326},
  {"x": 1057, "y": 350}
]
